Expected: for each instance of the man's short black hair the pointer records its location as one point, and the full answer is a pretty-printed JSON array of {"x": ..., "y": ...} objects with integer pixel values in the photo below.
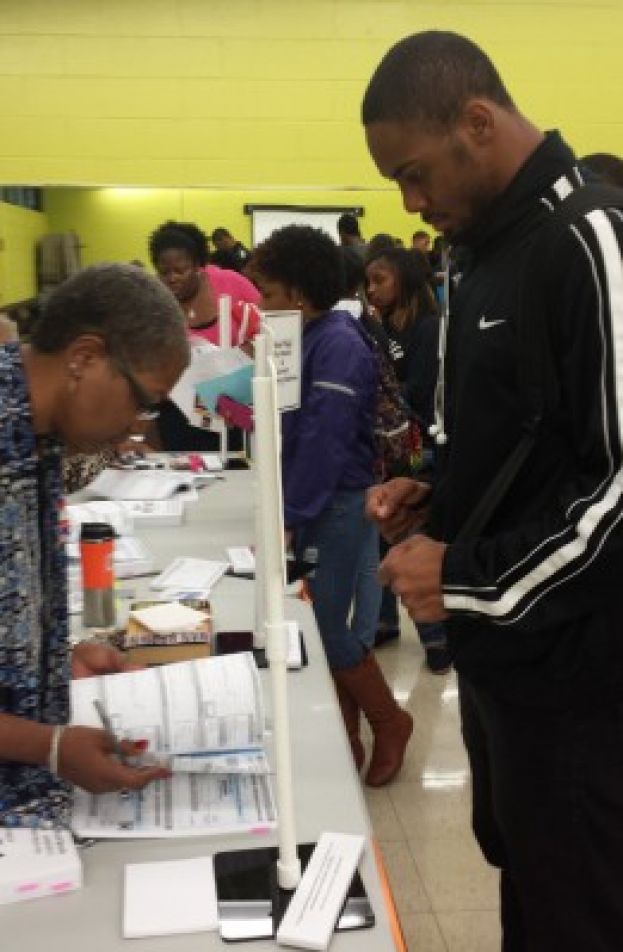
[
  {"x": 428, "y": 78},
  {"x": 219, "y": 233},
  {"x": 305, "y": 259},
  {"x": 347, "y": 224},
  {"x": 180, "y": 236},
  {"x": 134, "y": 314},
  {"x": 420, "y": 233}
]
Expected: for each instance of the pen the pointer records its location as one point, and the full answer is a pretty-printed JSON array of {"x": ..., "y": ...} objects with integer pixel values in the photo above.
[{"x": 107, "y": 725}]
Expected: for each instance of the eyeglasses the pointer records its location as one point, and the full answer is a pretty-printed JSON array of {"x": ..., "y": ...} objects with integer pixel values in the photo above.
[{"x": 147, "y": 407}]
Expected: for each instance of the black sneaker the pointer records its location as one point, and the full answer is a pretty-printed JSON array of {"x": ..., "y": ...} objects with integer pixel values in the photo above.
[{"x": 438, "y": 659}]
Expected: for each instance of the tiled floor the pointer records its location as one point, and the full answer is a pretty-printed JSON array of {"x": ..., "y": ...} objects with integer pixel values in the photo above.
[{"x": 447, "y": 896}]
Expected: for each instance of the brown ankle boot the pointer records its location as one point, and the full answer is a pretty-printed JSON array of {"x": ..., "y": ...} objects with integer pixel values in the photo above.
[
  {"x": 390, "y": 725},
  {"x": 350, "y": 716}
]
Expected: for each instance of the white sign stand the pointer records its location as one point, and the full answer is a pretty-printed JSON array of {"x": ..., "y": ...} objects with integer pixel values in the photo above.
[
  {"x": 268, "y": 466},
  {"x": 255, "y": 886}
]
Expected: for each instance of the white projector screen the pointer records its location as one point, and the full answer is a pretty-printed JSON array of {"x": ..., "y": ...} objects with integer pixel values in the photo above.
[{"x": 265, "y": 219}]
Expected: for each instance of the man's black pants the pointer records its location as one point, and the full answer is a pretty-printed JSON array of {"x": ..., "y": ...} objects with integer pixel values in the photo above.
[{"x": 548, "y": 812}]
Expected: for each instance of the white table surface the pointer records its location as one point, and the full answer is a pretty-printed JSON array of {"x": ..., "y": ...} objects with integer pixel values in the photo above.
[{"x": 328, "y": 794}]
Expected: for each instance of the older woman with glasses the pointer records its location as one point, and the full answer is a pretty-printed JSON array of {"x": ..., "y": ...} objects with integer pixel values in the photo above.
[{"x": 110, "y": 344}]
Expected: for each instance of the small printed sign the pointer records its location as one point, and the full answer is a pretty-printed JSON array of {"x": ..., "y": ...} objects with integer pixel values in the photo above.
[{"x": 285, "y": 327}]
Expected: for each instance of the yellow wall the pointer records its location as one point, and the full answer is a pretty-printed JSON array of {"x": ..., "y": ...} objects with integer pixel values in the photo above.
[
  {"x": 20, "y": 230},
  {"x": 114, "y": 223},
  {"x": 244, "y": 93}
]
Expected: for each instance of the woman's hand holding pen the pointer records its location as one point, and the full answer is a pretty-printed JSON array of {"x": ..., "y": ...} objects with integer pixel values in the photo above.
[{"x": 86, "y": 757}]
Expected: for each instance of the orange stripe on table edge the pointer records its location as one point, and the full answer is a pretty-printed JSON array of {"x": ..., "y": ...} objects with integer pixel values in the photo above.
[{"x": 388, "y": 899}]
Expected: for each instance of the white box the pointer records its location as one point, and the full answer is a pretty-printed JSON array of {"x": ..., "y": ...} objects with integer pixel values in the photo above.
[{"x": 36, "y": 862}]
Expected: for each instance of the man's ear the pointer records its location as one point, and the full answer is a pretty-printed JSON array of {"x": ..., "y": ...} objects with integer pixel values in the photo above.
[{"x": 478, "y": 121}]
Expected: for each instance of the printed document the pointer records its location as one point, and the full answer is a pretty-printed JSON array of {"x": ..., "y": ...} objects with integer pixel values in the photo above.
[{"x": 208, "y": 706}]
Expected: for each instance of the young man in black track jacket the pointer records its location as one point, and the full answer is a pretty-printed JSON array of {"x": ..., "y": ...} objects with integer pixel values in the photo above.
[{"x": 534, "y": 604}]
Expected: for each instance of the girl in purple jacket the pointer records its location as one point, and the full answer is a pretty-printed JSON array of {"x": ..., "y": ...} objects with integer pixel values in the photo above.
[{"x": 328, "y": 457}]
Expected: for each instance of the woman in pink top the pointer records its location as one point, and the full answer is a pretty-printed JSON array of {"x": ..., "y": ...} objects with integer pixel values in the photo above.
[{"x": 179, "y": 253}]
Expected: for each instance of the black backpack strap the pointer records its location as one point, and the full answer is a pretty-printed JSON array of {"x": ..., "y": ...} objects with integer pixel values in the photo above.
[{"x": 536, "y": 363}]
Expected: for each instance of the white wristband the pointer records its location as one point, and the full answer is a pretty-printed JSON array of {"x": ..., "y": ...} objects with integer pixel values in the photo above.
[{"x": 57, "y": 733}]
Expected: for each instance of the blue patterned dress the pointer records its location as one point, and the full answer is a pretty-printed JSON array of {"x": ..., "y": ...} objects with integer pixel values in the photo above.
[{"x": 34, "y": 662}]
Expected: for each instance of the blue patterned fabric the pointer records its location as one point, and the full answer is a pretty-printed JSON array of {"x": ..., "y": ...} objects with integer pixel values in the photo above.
[{"x": 34, "y": 661}]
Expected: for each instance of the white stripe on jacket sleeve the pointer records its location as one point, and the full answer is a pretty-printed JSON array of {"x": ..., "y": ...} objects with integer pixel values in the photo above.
[{"x": 594, "y": 522}]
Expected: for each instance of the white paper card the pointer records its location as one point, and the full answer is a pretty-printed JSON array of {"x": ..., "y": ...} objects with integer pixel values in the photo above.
[
  {"x": 189, "y": 573},
  {"x": 294, "y": 660},
  {"x": 286, "y": 333},
  {"x": 170, "y": 616},
  {"x": 168, "y": 898}
]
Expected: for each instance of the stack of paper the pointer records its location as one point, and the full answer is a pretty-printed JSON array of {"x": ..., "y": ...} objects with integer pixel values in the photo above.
[
  {"x": 121, "y": 484},
  {"x": 168, "y": 617},
  {"x": 185, "y": 575},
  {"x": 166, "y": 632},
  {"x": 155, "y": 512},
  {"x": 37, "y": 863},
  {"x": 113, "y": 513},
  {"x": 168, "y": 898},
  {"x": 210, "y": 708}
]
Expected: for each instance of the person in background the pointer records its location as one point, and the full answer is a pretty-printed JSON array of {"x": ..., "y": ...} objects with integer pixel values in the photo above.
[
  {"x": 398, "y": 289},
  {"x": 532, "y": 598},
  {"x": 353, "y": 286},
  {"x": 328, "y": 457},
  {"x": 179, "y": 253},
  {"x": 350, "y": 233},
  {"x": 608, "y": 167},
  {"x": 230, "y": 253},
  {"x": 421, "y": 241},
  {"x": 378, "y": 243},
  {"x": 108, "y": 347}
]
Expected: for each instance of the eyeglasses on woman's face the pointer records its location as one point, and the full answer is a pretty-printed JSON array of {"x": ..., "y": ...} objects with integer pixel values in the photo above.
[{"x": 147, "y": 408}]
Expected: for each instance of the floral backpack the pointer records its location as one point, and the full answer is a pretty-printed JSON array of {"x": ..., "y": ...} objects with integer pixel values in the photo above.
[{"x": 397, "y": 432}]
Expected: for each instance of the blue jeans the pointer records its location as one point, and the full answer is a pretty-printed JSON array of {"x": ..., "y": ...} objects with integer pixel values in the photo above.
[{"x": 345, "y": 546}]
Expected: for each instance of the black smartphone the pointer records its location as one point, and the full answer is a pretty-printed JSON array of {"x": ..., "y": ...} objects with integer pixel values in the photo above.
[{"x": 231, "y": 642}]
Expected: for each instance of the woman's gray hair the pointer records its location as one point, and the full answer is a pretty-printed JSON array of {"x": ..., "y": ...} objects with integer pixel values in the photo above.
[{"x": 135, "y": 315}]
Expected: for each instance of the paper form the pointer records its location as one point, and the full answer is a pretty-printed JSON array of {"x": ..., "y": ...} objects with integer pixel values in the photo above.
[
  {"x": 184, "y": 805},
  {"x": 207, "y": 705}
]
